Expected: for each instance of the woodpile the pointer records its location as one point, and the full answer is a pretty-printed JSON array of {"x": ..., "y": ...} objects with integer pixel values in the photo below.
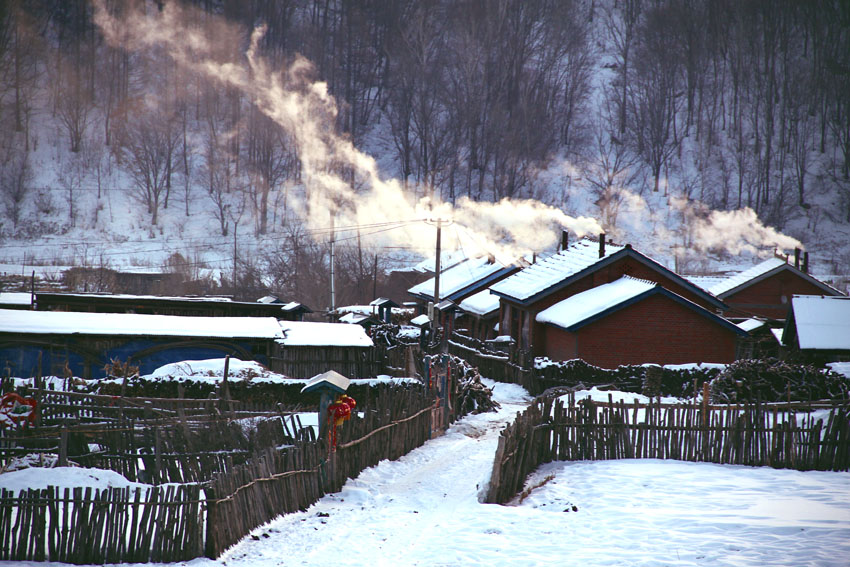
[{"x": 474, "y": 396}]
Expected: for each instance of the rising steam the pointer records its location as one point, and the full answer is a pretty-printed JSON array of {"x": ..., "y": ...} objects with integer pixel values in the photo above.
[
  {"x": 344, "y": 183},
  {"x": 303, "y": 107}
]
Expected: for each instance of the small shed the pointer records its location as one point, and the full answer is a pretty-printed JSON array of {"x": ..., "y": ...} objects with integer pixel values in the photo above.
[
  {"x": 307, "y": 349},
  {"x": 634, "y": 321},
  {"x": 818, "y": 328},
  {"x": 384, "y": 307}
]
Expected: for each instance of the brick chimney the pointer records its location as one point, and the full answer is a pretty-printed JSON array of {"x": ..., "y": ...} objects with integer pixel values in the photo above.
[
  {"x": 806, "y": 262},
  {"x": 602, "y": 245},
  {"x": 797, "y": 258},
  {"x": 565, "y": 239}
]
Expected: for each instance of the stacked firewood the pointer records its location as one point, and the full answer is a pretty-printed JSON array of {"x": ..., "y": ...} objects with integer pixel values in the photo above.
[{"x": 474, "y": 396}]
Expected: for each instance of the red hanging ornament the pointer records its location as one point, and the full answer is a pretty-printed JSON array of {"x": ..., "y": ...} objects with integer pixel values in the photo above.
[{"x": 15, "y": 408}]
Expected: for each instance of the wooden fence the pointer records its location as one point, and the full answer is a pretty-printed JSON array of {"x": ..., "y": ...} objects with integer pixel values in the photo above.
[
  {"x": 101, "y": 526},
  {"x": 392, "y": 424},
  {"x": 776, "y": 435},
  {"x": 230, "y": 499}
]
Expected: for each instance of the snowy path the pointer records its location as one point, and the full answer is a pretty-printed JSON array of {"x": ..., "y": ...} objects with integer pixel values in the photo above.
[{"x": 402, "y": 512}]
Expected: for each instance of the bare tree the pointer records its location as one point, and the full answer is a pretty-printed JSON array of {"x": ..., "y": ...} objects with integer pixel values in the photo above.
[
  {"x": 15, "y": 179},
  {"x": 147, "y": 144}
]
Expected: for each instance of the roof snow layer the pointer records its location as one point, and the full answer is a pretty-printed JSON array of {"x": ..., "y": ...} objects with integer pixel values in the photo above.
[
  {"x": 71, "y": 323},
  {"x": 481, "y": 303},
  {"x": 583, "y": 306},
  {"x": 304, "y": 333},
  {"x": 822, "y": 322},
  {"x": 554, "y": 269},
  {"x": 737, "y": 280},
  {"x": 459, "y": 277}
]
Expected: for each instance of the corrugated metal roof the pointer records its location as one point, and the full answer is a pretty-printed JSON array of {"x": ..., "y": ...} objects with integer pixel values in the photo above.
[
  {"x": 550, "y": 271},
  {"x": 459, "y": 277}
]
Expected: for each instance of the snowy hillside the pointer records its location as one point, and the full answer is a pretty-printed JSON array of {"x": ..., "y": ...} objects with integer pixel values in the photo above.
[{"x": 170, "y": 138}]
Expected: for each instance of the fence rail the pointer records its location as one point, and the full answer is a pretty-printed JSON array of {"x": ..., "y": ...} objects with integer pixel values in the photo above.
[{"x": 776, "y": 435}]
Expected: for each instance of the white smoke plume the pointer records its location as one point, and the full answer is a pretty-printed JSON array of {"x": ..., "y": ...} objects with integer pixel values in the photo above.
[
  {"x": 735, "y": 232},
  {"x": 303, "y": 107}
]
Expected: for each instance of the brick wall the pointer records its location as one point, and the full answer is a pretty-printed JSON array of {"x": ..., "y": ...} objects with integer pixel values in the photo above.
[
  {"x": 657, "y": 330},
  {"x": 771, "y": 297}
]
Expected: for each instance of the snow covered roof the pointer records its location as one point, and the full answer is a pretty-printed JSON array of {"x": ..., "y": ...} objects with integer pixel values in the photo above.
[
  {"x": 821, "y": 322},
  {"x": 215, "y": 298},
  {"x": 16, "y": 298},
  {"x": 581, "y": 258},
  {"x": 735, "y": 283},
  {"x": 551, "y": 271},
  {"x": 751, "y": 324},
  {"x": 420, "y": 320},
  {"x": 269, "y": 299},
  {"x": 481, "y": 303},
  {"x": 303, "y": 333},
  {"x": 582, "y": 306},
  {"x": 461, "y": 277},
  {"x": 448, "y": 258},
  {"x": 70, "y": 323}
]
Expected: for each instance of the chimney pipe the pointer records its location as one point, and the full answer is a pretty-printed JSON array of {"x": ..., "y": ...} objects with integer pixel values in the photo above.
[
  {"x": 797, "y": 258},
  {"x": 806, "y": 262},
  {"x": 602, "y": 245},
  {"x": 565, "y": 239}
]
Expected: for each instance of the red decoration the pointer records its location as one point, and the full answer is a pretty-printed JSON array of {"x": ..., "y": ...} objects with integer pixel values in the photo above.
[
  {"x": 338, "y": 413},
  {"x": 15, "y": 408}
]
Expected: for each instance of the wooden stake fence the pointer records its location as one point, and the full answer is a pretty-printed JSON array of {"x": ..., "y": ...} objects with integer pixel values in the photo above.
[{"x": 774, "y": 435}]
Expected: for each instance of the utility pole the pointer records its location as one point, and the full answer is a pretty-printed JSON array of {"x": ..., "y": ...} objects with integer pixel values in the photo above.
[
  {"x": 333, "y": 288},
  {"x": 437, "y": 264}
]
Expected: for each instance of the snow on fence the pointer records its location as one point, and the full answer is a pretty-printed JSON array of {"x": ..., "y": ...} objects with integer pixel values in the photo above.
[{"x": 779, "y": 435}]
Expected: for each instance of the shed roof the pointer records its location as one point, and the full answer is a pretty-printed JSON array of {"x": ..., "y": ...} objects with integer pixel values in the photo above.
[
  {"x": 482, "y": 303},
  {"x": 77, "y": 323},
  {"x": 588, "y": 306},
  {"x": 820, "y": 322},
  {"x": 304, "y": 333}
]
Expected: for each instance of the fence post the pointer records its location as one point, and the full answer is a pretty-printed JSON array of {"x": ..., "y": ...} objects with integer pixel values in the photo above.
[
  {"x": 63, "y": 449},
  {"x": 210, "y": 545}
]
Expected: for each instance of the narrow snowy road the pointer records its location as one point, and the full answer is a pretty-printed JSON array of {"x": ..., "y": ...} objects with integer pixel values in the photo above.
[{"x": 400, "y": 512}]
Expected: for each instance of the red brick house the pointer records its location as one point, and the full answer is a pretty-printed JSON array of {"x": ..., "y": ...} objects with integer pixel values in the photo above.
[
  {"x": 584, "y": 265},
  {"x": 766, "y": 289},
  {"x": 633, "y": 321}
]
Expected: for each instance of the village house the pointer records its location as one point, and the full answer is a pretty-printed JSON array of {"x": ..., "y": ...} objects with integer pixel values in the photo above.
[
  {"x": 765, "y": 290},
  {"x": 818, "y": 328},
  {"x": 582, "y": 266},
  {"x": 634, "y": 321},
  {"x": 85, "y": 342}
]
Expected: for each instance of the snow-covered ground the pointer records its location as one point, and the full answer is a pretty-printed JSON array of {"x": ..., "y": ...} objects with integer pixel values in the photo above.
[{"x": 424, "y": 509}]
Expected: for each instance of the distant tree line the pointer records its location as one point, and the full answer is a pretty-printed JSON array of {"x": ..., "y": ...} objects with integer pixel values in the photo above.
[{"x": 741, "y": 102}]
